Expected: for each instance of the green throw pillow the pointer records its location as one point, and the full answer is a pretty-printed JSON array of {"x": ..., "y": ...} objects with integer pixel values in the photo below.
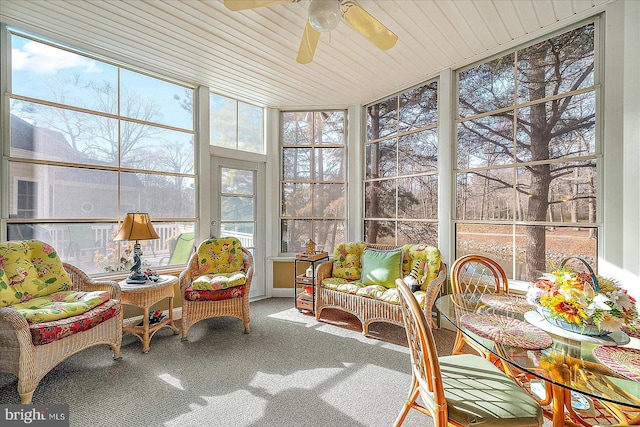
[{"x": 381, "y": 267}]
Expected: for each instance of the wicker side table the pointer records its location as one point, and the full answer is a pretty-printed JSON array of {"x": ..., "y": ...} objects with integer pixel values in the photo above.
[{"x": 144, "y": 296}]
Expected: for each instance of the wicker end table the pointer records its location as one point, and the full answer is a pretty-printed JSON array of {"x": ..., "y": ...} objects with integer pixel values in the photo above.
[{"x": 144, "y": 296}]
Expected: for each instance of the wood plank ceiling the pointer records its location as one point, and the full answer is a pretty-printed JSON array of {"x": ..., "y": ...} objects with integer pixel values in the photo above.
[{"x": 250, "y": 55}]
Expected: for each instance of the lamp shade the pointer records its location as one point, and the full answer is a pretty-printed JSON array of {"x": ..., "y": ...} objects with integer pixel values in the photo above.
[{"x": 137, "y": 226}]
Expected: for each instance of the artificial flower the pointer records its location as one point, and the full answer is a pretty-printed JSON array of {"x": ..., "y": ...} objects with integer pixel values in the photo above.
[{"x": 572, "y": 296}]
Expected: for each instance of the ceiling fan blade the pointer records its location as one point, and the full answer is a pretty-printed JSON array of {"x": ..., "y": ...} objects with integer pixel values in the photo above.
[
  {"x": 308, "y": 44},
  {"x": 364, "y": 23},
  {"x": 252, "y": 4}
]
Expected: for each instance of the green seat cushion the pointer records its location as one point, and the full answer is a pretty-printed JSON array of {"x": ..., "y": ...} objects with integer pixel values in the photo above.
[
  {"x": 479, "y": 394},
  {"x": 381, "y": 267}
]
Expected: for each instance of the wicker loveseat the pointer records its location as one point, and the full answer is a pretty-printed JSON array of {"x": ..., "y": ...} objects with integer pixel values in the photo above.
[
  {"x": 339, "y": 286},
  {"x": 49, "y": 311}
]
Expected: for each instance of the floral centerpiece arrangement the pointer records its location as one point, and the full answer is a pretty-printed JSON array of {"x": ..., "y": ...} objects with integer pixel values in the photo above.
[{"x": 582, "y": 302}]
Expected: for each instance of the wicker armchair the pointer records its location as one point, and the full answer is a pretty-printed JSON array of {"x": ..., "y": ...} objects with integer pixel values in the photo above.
[
  {"x": 221, "y": 298},
  {"x": 30, "y": 362}
]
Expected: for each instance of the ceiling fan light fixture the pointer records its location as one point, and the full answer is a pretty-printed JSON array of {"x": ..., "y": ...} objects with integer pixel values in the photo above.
[{"x": 324, "y": 15}]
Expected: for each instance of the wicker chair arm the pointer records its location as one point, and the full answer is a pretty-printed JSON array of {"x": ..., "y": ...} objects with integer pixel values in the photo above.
[
  {"x": 188, "y": 274},
  {"x": 14, "y": 333},
  {"x": 324, "y": 271},
  {"x": 247, "y": 260},
  {"x": 82, "y": 282}
]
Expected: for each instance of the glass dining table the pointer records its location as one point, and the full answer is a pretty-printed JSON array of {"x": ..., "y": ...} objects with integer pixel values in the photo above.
[{"x": 579, "y": 380}]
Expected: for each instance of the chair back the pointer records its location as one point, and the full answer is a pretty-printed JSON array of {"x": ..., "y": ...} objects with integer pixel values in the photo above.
[
  {"x": 182, "y": 249},
  {"x": 424, "y": 356},
  {"x": 477, "y": 274},
  {"x": 220, "y": 255}
]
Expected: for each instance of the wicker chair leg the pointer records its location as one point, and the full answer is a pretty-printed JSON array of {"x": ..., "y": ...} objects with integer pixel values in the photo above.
[
  {"x": 25, "y": 398},
  {"x": 116, "y": 352},
  {"x": 458, "y": 344}
]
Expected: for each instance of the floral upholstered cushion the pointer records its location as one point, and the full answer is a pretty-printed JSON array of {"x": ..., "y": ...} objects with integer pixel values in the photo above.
[
  {"x": 347, "y": 260},
  {"x": 46, "y": 332},
  {"x": 372, "y": 291},
  {"x": 59, "y": 305},
  {"x": 333, "y": 282},
  {"x": 191, "y": 294},
  {"x": 217, "y": 281},
  {"x": 430, "y": 262},
  {"x": 29, "y": 269},
  {"x": 223, "y": 255}
]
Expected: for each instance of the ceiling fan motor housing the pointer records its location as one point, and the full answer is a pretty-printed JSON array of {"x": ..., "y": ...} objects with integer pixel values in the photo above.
[{"x": 324, "y": 15}]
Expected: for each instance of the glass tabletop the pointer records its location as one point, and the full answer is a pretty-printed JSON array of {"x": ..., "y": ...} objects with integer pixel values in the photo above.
[{"x": 605, "y": 368}]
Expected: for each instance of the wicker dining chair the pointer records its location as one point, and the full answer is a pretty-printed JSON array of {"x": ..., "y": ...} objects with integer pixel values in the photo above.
[
  {"x": 476, "y": 274},
  {"x": 462, "y": 390},
  {"x": 220, "y": 261}
]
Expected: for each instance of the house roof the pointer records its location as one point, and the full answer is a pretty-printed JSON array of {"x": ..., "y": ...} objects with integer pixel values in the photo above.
[{"x": 250, "y": 54}]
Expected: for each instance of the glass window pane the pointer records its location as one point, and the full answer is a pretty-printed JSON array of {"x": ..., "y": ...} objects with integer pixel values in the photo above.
[
  {"x": 382, "y": 119},
  {"x": 486, "y": 87},
  {"x": 382, "y": 232},
  {"x": 418, "y": 152},
  {"x": 329, "y": 201},
  {"x": 295, "y": 234},
  {"x": 49, "y": 133},
  {"x": 152, "y": 148},
  {"x": 296, "y": 199},
  {"x": 417, "y": 232},
  {"x": 329, "y": 164},
  {"x": 223, "y": 117},
  {"x": 487, "y": 141},
  {"x": 45, "y": 72},
  {"x": 559, "y": 192},
  {"x": 493, "y": 241},
  {"x": 63, "y": 192},
  {"x": 329, "y": 127},
  {"x": 297, "y": 128},
  {"x": 563, "y": 127},
  {"x": 244, "y": 231},
  {"x": 381, "y": 159},
  {"x": 419, "y": 107},
  {"x": 236, "y": 208},
  {"x": 237, "y": 181},
  {"x": 327, "y": 234},
  {"x": 541, "y": 248},
  {"x": 153, "y": 100},
  {"x": 558, "y": 65},
  {"x": 296, "y": 163},
  {"x": 418, "y": 197},
  {"x": 250, "y": 128},
  {"x": 380, "y": 199},
  {"x": 162, "y": 196},
  {"x": 486, "y": 195}
]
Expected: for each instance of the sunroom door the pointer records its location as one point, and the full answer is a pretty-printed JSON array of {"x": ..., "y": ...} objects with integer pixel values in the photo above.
[{"x": 235, "y": 209}]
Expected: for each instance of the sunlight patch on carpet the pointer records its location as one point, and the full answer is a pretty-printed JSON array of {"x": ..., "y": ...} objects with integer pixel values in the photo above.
[
  {"x": 171, "y": 380},
  {"x": 241, "y": 406},
  {"x": 367, "y": 380},
  {"x": 306, "y": 380}
]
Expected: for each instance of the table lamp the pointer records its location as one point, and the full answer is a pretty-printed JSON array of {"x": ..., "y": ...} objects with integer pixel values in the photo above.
[{"x": 137, "y": 226}]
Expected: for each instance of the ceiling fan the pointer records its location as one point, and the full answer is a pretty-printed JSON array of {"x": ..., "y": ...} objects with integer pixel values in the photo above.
[{"x": 324, "y": 16}]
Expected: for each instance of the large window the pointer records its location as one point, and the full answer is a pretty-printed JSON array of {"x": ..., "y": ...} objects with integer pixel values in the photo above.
[
  {"x": 526, "y": 155},
  {"x": 235, "y": 124},
  {"x": 89, "y": 142},
  {"x": 401, "y": 166},
  {"x": 313, "y": 179}
]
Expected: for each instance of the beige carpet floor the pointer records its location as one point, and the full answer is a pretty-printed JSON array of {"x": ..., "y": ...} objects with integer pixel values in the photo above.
[{"x": 289, "y": 371}]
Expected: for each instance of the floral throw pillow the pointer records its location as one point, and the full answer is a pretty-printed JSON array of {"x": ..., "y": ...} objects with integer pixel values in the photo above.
[
  {"x": 29, "y": 269},
  {"x": 429, "y": 257},
  {"x": 346, "y": 260}
]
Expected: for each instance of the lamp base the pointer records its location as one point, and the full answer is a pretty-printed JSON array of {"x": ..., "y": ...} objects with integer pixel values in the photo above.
[{"x": 136, "y": 277}]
